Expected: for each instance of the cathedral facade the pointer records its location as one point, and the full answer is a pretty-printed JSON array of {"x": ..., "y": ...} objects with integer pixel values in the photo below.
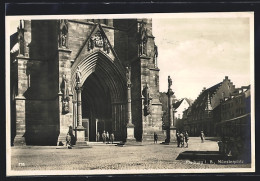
[{"x": 100, "y": 53}]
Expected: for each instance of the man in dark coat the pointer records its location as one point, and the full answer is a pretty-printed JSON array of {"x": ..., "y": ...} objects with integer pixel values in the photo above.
[
  {"x": 186, "y": 137},
  {"x": 182, "y": 139},
  {"x": 178, "y": 138},
  {"x": 112, "y": 137},
  {"x": 104, "y": 136},
  {"x": 155, "y": 137}
]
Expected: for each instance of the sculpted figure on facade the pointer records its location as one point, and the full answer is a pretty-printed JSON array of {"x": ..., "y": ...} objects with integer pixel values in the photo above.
[
  {"x": 78, "y": 76},
  {"x": 128, "y": 76},
  {"x": 65, "y": 94},
  {"x": 155, "y": 55},
  {"x": 147, "y": 99},
  {"x": 98, "y": 40},
  {"x": 106, "y": 46},
  {"x": 20, "y": 30},
  {"x": 63, "y": 33},
  {"x": 143, "y": 38}
]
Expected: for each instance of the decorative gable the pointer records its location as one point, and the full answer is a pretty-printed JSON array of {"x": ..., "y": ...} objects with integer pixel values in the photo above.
[{"x": 97, "y": 42}]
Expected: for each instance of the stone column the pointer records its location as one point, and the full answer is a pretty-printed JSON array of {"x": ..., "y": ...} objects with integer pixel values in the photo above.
[
  {"x": 79, "y": 129},
  {"x": 171, "y": 130},
  {"x": 19, "y": 139},
  {"x": 20, "y": 101},
  {"x": 130, "y": 125}
]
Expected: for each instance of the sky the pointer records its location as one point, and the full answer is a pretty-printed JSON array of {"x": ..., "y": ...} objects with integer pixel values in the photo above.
[{"x": 199, "y": 51}]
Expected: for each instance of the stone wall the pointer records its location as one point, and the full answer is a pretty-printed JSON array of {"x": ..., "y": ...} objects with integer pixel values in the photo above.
[
  {"x": 136, "y": 99},
  {"x": 37, "y": 86}
]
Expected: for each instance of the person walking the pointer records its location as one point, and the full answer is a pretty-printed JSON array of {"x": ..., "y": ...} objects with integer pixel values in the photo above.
[
  {"x": 155, "y": 137},
  {"x": 178, "y": 138},
  {"x": 68, "y": 140},
  {"x": 181, "y": 139},
  {"x": 97, "y": 137},
  {"x": 202, "y": 136},
  {"x": 186, "y": 138},
  {"x": 104, "y": 136},
  {"x": 107, "y": 137},
  {"x": 112, "y": 137}
]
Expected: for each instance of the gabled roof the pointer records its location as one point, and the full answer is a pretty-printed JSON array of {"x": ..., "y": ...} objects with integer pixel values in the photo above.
[
  {"x": 189, "y": 101},
  {"x": 177, "y": 104},
  {"x": 202, "y": 100}
]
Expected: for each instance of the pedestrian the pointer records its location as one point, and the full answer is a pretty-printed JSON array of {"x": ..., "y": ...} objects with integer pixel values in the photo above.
[
  {"x": 202, "y": 137},
  {"x": 107, "y": 137},
  {"x": 186, "y": 137},
  {"x": 181, "y": 139},
  {"x": 155, "y": 137},
  {"x": 97, "y": 137},
  {"x": 72, "y": 137},
  {"x": 112, "y": 137},
  {"x": 104, "y": 136},
  {"x": 68, "y": 140},
  {"x": 178, "y": 138}
]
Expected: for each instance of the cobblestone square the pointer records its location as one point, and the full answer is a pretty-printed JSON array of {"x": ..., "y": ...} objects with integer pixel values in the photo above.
[{"x": 109, "y": 157}]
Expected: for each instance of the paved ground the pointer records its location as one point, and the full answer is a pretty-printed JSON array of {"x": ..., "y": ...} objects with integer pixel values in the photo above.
[{"x": 106, "y": 157}]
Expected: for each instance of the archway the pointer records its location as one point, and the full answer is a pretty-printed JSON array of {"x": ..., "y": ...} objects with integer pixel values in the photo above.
[{"x": 103, "y": 95}]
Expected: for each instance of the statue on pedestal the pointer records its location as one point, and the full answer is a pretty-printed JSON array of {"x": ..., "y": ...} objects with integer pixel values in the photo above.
[
  {"x": 63, "y": 33},
  {"x": 143, "y": 38},
  {"x": 169, "y": 82},
  {"x": 147, "y": 99},
  {"x": 128, "y": 76},
  {"x": 155, "y": 55},
  {"x": 78, "y": 76},
  {"x": 65, "y": 94}
]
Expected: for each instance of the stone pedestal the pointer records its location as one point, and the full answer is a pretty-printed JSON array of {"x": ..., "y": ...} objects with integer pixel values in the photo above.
[
  {"x": 173, "y": 134},
  {"x": 19, "y": 139},
  {"x": 130, "y": 132},
  {"x": 80, "y": 136}
]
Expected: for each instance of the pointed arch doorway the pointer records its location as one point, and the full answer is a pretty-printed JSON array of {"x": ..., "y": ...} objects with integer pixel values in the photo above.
[{"x": 103, "y": 95}]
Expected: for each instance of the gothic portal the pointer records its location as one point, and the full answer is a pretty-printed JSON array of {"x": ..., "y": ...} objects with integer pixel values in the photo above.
[{"x": 54, "y": 55}]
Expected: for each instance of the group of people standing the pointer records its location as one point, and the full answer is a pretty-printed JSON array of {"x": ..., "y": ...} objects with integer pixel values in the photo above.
[
  {"x": 181, "y": 138},
  {"x": 106, "y": 137}
]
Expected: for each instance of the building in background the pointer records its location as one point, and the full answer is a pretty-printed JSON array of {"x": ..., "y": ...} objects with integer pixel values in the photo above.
[
  {"x": 43, "y": 79},
  {"x": 235, "y": 125},
  {"x": 178, "y": 108},
  {"x": 205, "y": 112}
]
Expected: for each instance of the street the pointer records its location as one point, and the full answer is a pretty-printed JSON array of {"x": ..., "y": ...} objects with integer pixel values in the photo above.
[{"x": 107, "y": 156}]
